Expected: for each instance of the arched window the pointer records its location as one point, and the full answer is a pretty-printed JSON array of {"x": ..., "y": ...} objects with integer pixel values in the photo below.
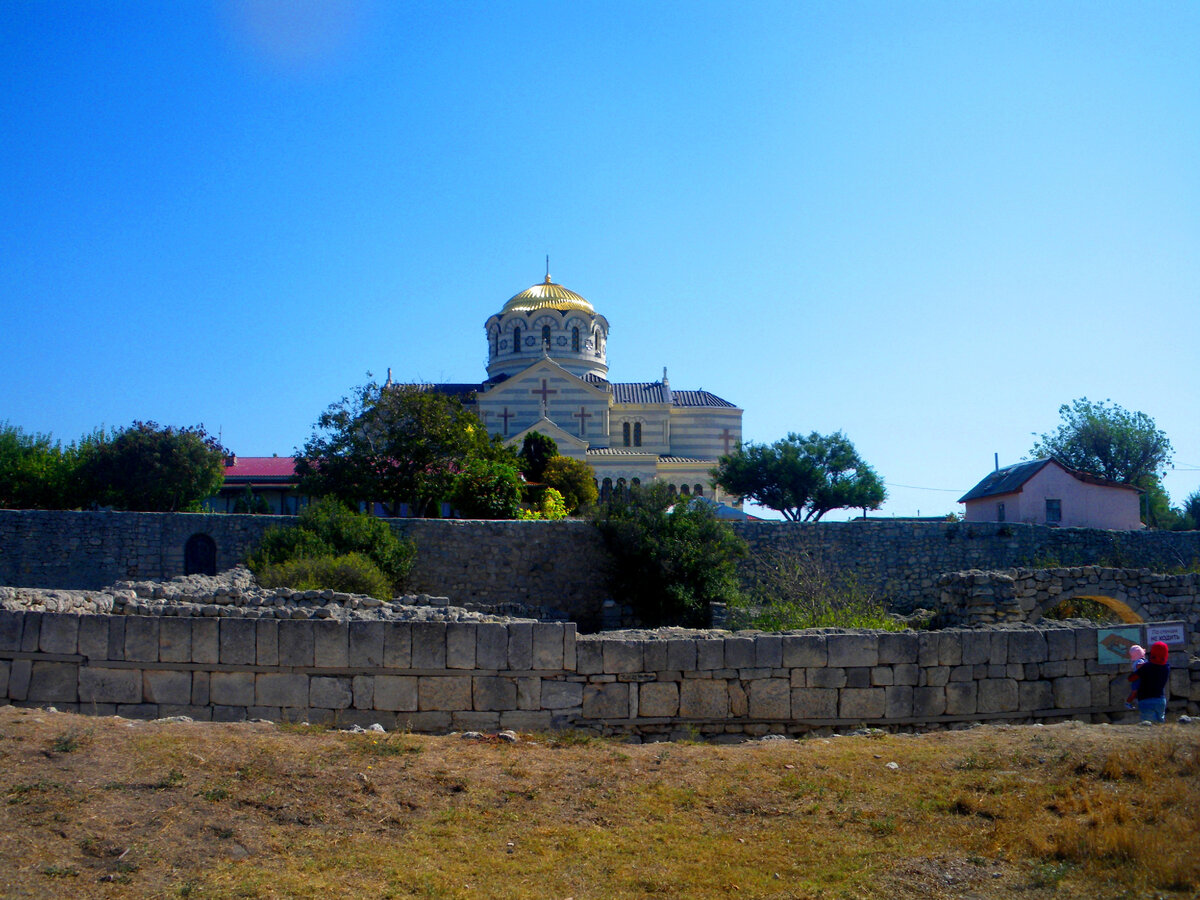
[
  {"x": 637, "y": 434},
  {"x": 699, "y": 490},
  {"x": 545, "y": 335},
  {"x": 672, "y": 490},
  {"x": 622, "y": 490},
  {"x": 685, "y": 490},
  {"x": 200, "y": 555},
  {"x": 575, "y": 340},
  {"x": 606, "y": 489},
  {"x": 516, "y": 340},
  {"x": 625, "y": 432},
  {"x": 495, "y": 341},
  {"x": 635, "y": 482}
]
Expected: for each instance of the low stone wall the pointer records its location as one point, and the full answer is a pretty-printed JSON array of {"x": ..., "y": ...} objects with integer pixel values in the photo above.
[{"x": 441, "y": 676}]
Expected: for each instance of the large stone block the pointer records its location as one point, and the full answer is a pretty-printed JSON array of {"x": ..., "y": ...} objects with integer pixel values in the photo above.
[
  {"x": 928, "y": 644},
  {"x": 1035, "y": 695},
  {"x": 896, "y": 648},
  {"x": 961, "y": 698},
  {"x": 547, "y": 646},
  {"x": 998, "y": 655},
  {"x": 622, "y": 656},
  {"x": 201, "y": 683},
  {"x": 116, "y": 637},
  {"x": 60, "y": 633},
  {"x": 175, "y": 641},
  {"x": 589, "y": 657},
  {"x": 1060, "y": 644},
  {"x": 976, "y": 647},
  {"x": 950, "y": 648},
  {"x": 570, "y": 641},
  {"x": 520, "y": 646},
  {"x": 857, "y": 650},
  {"x": 396, "y": 692},
  {"x": 206, "y": 641},
  {"x": 526, "y": 720},
  {"x": 827, "y": 678},
  {"x": 657, "y": 700},
  {"x": 861, "y": 704},
  {"x": 330, "y": 692},
  {"x": 1072, "y": 692},
  {"x": 11, "y": 626},
  {"x": 814, "y": 703},
  {"x": 169, "y": 686},
  {"x": 98, "y": 685},
  {"x": 266, "y": 642},
  {"x": 739, "y": 653},
  {"x": 770, "y": 698},
  {"x": 363, "y": 688},
  {"x": 397, "y": 645},
  {"x": 906, "y": 673},
  {"x": 366, "y": 644},
  {"x": 141, "y": 638},
  {"x": 607, "y": 701},
  {"x": 231, "y": 689},
  {"x": 296, "y": 643},
  {"x": 898, "y": 702},
  {"x": 30, "y": 632},
  {"x": 51, "y": 682},
  {"x": 681, "y": 655},
  {"x": 997, "y": 695},
  {"x": 1027, "y": 647},
  {"x": 331, "y": 647},
  {"x": 654, "y": 656},
  {"x": 429, "y": 646},
  {"x": 19, "y": 674},
  {"x": 491, "y": 646},
  {"x": 703, "y": 698},
  {"x": 239, "y": 642},
  {"x": 858, "y": 677},
  {"x": 93, "y": 637},
  {"x": 529, "y": 692},
  {"x": 444, "y": 693},
  {"x": 710, "y": 655},
  {"x": 475, "y": 721},
  {"x": 283, "y": 689},
  {"x": 929, "y": 702},
  {"x": 768, "y": 651},
  {"x": 494, "y": 693},
  {"x": 561, "y": 694},
  {"x": 461, "y": 639}
]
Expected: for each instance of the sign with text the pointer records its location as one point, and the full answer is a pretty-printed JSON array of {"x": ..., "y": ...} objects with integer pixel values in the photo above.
[
  {"x": 1173, "y": 634},
  {"x": 1113, "y": 643}
]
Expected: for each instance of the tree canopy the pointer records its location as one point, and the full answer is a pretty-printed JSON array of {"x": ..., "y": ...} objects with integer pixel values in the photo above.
[
  {"x": 801, "y": 477},
  {"x": 152, "y": 467},
  {"x": 392, "y": 445},
  {"x": 35, "y": 471},
  {"x": 671, "y": 559},
  {"x": 1108, "y": 441}
]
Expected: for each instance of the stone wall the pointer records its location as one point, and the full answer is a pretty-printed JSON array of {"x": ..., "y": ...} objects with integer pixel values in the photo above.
[
  {"x": 560, "y": 564},
  {"x": 438, "y": 676}
]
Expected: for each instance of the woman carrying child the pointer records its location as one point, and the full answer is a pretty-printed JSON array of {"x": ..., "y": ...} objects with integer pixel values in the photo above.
[{"x": 1150, "y": 681}]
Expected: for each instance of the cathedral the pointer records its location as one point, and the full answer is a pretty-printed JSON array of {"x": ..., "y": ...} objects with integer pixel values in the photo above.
[{"x": 547, "y": 371}]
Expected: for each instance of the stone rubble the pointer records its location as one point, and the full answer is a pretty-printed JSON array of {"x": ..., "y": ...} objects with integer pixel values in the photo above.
[{"x": 236, "y": 594}]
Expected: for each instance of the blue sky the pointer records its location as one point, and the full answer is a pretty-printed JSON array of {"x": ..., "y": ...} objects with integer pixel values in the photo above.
[{"x": 925, "y": 224}]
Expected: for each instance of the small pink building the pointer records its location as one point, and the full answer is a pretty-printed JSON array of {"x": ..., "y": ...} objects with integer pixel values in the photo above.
[{"x": 1045, "y": 492}]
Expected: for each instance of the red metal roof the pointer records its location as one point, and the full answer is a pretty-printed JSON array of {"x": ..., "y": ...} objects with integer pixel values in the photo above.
[{"x": 259, "y": 468}]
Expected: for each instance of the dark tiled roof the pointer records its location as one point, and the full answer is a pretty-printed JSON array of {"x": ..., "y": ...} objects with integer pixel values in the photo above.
[
  {"x": 653, "y": 392},
  {"x": 260, "y": 469},
  {"x": 683, "y": 459},
  {"x": 618, "y": 451},
  {"x": 453, "y": 390},
  {"x": 700, "y": 398},
  {"x": 1011, "y": 478}
]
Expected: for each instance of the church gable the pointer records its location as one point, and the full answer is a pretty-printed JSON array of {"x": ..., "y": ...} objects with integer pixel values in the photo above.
[
  {"x": 545, "y": 388},
  {"x": 568, "y": 444}
]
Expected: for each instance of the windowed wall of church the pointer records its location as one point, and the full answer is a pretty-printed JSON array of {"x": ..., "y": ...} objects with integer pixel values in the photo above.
[
  {"x": 705, "y": 433},
  {"x": 575, "y": 340}
]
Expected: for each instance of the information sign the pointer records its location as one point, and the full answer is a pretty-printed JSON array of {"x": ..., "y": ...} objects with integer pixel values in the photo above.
[{"x": 1113, "y": 643}]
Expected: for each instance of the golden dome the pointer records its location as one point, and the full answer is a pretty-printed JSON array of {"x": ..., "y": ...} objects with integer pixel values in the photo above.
[{"x": 546, "y": 295}]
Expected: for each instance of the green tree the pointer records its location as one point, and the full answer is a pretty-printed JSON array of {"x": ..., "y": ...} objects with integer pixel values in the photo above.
[
  {"x": 536, "y": 451},
  {"x": 670, "y": 560},
  {"x": 329, "y": 531},
  {"x": 1191, "y": 512},
  {"x": 1107, "y": 441},
  {"x": 35, "y": 471},
  {"x": 251, "y": 503},
  {"x": 573, "y": 479},
  {"x": 151, "y": 467},
  {"x": 549, "y": 505},
  {"x": 393, "y": 445},
  {"x": 801, "y": 477},
  {"x": 487, "y": 489}
]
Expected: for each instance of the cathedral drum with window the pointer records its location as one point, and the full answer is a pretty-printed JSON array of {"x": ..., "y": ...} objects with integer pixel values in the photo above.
[{"x": 548, "y": 372}]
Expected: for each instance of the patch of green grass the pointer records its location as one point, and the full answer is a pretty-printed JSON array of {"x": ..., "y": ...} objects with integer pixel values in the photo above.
[
  {"x": 60, "y": 872},
  {"x": 67, "y": 742}
]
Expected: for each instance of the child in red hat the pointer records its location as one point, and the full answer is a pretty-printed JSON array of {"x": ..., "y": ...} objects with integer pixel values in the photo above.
[{"x": 1150, "y": 681}]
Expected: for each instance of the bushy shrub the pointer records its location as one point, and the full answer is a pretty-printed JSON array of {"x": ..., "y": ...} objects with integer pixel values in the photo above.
[
  {"x": 329, "y": 529},
  {"x": 549, "y": 504},
  {"x": 487, "y": 489},
  {"x": 352, "y": 573},
  {"x": 670, "y": 560},
  {"x": 796, "y": 591}
]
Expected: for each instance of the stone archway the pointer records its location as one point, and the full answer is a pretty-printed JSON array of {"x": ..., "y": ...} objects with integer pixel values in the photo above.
[
  {"x": 1126, "y": 613},
  {"x": 200, "y": 555}
]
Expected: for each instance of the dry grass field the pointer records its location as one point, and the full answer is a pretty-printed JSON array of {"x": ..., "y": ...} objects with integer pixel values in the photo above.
[{"x": 110, "y": 808}]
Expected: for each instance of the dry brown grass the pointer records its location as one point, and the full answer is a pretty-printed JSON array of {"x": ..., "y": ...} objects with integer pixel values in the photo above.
[{"x": 105, "y": 808}]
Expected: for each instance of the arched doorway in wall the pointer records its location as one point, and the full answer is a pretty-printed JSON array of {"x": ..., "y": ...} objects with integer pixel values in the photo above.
[
  {"x": 1098, "y": 608},
  {"x": 200, "y": 555}
]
